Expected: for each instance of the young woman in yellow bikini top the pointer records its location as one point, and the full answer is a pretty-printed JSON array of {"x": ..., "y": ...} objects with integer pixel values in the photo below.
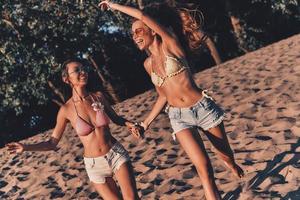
[{"x": 172, "y": 67}]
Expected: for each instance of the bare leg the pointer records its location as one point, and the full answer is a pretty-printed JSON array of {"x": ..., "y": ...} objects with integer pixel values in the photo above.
[
  {"x": 218, "y": 138},
  {"x": 127, "y": 182},
  {"x": 108, "y": 190},
  {"x": 195, "y": 150}
]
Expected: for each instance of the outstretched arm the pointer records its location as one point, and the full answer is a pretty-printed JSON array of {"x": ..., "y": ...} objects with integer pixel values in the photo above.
[
  {"x": 111, "y": 112},
  {"x": 158, "y": 106},
  {"x": 51, "y": 144},
  {"x": 160, "y": 102},
  {"x": 117, "y": 119}
]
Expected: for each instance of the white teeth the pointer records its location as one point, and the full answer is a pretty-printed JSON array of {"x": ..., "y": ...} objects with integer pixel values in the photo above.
[{"x": 139, "y": 41}]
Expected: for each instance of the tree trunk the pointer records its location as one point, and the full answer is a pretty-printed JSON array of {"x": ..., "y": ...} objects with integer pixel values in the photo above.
[
  {"x": 7, "y": 20},
  {"x": 57, "y": 102},
  {"x": 8, "y": 57},
  {"x": 106, "y": 84},
  {"x": 238, "y": 29},
  {"x": 58, "y": 93},
  {"x": 238, "y": 32}
]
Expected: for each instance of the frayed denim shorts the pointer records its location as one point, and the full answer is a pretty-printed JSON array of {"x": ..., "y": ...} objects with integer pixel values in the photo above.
[
  {"x": 104, "y": 166},
  {"x": 205, "y": 114}
]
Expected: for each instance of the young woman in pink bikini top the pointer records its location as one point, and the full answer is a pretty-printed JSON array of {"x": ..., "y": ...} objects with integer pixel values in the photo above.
[
  {"x": 90, "y": 114},
  {"x": 84, "y": 127}
]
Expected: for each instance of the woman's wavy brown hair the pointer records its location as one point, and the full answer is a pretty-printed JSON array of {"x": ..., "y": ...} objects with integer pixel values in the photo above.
[
  {"x": 192, "y": 23},
  {"x": 64, "y": 67},
  {"x": 186, "y": 23}
]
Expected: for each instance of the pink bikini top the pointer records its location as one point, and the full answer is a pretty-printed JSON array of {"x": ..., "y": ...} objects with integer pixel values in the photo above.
[{"x": 84, "y": 127}]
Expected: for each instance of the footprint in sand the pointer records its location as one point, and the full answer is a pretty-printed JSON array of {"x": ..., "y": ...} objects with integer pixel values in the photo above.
[
  {"x": 177, "y": 182},
  {"x": 157, "y": 180},
  {"x": 148, "y": 190},
  {"x": 22, "y": 176},
  {"x": 149, "y": 164},
  {"x": 3, "y": 184},
  {"x": 160, "y": 151},
  {"x": 68, "y": 176},
  {"x": 158, "y": 141},
  {"x": 93, "y": 195},
  {"x": 78, "y": 159},
  {"x": 57, "y": 193},
  {"x": 189, "y": 174},
  {"x": 79, "y": 189},
  {"x": 263, "y": 138}
]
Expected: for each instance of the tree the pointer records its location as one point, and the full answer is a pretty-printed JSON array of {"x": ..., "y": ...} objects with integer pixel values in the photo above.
[
  {"x": 257, "y": 23},
  {"x": 38, "y": 35}
]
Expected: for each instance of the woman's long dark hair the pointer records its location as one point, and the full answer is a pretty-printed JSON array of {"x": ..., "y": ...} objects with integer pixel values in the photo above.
[{"x": 67, "y": 89}]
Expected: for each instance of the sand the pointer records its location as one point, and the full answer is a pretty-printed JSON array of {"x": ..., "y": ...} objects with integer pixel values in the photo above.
[{"x": 260, "y": 92}]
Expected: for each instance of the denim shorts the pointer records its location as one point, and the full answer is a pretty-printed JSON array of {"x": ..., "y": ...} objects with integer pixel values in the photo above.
[
  {"x": 205, "y": 114},
  {"x": 104, "y": 166}
]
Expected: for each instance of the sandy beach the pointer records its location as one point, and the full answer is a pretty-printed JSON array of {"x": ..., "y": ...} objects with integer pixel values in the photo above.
[{"x": 260, "y": 93}]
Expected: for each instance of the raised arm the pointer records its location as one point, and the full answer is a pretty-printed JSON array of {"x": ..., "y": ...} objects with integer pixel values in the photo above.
[
  {"x": 167, "y": 35},
  {"x": 51, "y": 144},
  {"x": 117, "y": 119}
]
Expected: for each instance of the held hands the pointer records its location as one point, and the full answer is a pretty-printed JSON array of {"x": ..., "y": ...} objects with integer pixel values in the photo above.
[
  {"x": 15, "y": 147},
  {"x": 136, "y": 129}
]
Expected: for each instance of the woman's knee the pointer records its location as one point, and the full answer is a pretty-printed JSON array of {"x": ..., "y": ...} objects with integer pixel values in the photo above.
[{"x": 107, "y": 190}]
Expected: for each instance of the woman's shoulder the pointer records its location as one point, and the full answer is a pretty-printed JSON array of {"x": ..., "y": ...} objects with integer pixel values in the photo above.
[
  {"x": 147, "y": 64},
  {"x": 64, "y": 110},
  {"x": 66, "y": 106}
]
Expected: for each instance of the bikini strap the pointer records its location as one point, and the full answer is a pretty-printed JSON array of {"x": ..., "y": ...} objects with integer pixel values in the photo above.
[
  {"x": 75, "y": 107},
  {"x": 162, "y": 48},
  {"x": 92, "y": 98},
  {"x": 99, "y": 99},
  {"x": 90, "y": 124},
  {"x": 151, "y": 63}
]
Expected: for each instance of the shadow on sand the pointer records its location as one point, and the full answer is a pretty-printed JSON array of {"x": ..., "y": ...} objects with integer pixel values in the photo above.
[{"x": 272, "y": 170}]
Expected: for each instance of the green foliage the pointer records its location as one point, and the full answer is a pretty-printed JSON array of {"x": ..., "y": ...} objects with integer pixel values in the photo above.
[
  {"x": 37, "y": 35},
  {"x": 265, "y": 21}
]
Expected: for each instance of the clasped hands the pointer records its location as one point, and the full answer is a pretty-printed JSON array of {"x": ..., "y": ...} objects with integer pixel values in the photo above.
[{"x": 136, "y": 129}]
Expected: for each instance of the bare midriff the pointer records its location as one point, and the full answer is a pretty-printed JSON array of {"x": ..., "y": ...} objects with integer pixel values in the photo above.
[
  {"x": 97, "y": 143},
  {"x": 181, "y": 91}
]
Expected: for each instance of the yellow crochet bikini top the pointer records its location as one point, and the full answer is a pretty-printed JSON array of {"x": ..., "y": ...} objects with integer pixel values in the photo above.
[{"x": 173, "y": 66}]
